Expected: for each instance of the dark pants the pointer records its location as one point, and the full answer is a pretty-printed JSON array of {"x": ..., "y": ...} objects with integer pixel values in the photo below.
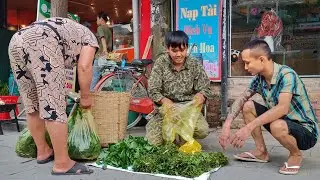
[{"x": 305, "y": 139}]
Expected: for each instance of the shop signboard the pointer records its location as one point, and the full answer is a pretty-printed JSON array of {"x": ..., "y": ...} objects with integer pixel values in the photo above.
[
  {"x": 201, "y": 20},
  {"x": 44, "y": 10}
]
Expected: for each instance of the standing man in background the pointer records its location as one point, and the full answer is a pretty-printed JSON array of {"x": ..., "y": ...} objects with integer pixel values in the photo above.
[{"x": 104, "y": 37}]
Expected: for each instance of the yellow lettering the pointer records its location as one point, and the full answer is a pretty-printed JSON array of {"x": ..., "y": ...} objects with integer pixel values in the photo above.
[
  {"x": 190, "y": 14},
  {"x": 208, "y": 10},
  {"x": 204, "y": 10},
  {"x": 184, "y": 13},
  {"x": 204, "y": 48}
]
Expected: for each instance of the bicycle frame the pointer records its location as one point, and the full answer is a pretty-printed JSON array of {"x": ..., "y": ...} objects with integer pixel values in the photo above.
[{"x": 140, "y": 79}]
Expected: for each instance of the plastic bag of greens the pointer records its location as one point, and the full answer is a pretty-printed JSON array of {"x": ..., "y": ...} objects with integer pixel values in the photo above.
[
  {"x": 26, "y": 146},
  {"x": 182, "y": 120},
  {"x": 170, "y": 120},
  {"x": 83, "y": 141},
  {"x": 191, "y": 119}
]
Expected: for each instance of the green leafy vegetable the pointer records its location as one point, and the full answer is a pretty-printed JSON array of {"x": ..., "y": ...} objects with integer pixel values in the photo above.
[
  {"x": 167, "y": 159},
  {"x": 124, "y": 153}
]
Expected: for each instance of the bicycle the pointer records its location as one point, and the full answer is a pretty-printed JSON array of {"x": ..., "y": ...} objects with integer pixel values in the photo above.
[{"x": 124, "y": 77}]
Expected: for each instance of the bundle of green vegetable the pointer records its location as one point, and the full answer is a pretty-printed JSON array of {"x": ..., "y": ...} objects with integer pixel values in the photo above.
[
  {"x": 26, "y": 146},
  {"x": 124, "y": 153},
  {"x": 167, "y": 159}
]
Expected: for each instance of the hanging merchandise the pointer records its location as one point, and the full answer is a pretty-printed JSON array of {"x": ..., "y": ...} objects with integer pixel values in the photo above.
[
  {"x": 271, "y": 24},
  {"x": 270, "y": 29}
]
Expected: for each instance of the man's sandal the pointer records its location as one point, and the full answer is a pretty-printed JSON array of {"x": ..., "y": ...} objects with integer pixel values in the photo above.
[
  {"x": 287, "y": 167},
  {"x": 77, "y": 169}
]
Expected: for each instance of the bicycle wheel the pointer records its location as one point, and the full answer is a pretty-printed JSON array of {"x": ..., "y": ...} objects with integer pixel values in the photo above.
[{"x": 123, "y": 83}]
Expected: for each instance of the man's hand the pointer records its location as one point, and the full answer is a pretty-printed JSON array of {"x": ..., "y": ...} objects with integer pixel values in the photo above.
[
  {"x": 167, "y": 105},
  {"x": 104, "y": 54},
  {"x": 224, "y": 138},
  {"x": 166, "y": 102},
  {"x": 86, "y": 102},
  {"x": 240, "y": 137},
  {"x": 200, "y": 99}
]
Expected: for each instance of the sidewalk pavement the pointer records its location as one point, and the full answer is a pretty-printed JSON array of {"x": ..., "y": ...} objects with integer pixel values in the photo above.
[{"x": 14, "y": 167}]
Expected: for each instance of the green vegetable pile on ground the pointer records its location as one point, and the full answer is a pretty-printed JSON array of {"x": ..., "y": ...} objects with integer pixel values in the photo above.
[
  {"x": 124, "y": 153},
  {"x": 166, "y": 159},
  {"x": 26, "y": 146},
  {"x": 169, "y": 160},
  {"x": 83, "y": 141}
]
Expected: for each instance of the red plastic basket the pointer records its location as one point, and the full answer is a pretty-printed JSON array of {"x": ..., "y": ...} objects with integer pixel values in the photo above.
[{"x": 9, "y": 100}]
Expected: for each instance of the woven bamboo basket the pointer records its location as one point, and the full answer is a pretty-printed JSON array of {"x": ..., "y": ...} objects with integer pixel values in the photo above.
[{"x": 110, "y": 111}]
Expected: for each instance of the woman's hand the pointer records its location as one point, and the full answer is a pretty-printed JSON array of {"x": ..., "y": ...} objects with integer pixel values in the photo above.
[{"x": 86, "y": 102}]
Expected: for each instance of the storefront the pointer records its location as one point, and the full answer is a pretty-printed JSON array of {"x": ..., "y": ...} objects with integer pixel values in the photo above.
[
  {"x": 296, "y": 40},
  {"x": 18, "y": 14},
  {"x": 298, "y": 31},
  {"x": 21, "y": 13},
  {"x": 292, "y": 28}
]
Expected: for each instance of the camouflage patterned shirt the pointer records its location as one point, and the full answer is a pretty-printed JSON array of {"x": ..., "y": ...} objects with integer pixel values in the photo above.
[{"x": 178, "y": 86}]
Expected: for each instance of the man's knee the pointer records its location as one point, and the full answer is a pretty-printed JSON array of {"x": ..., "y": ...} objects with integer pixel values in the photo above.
[
  {"x": 201, "y": 133},
  {"x": 279, "y": 128},
  {"x": 202, "y": 129},
  {"x": 248, "y": 107}
]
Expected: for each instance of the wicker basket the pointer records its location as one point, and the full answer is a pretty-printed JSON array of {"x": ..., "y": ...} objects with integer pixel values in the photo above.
[{"x": 110, "y": 112}]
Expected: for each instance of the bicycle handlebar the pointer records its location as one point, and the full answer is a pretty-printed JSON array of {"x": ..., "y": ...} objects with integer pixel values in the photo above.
[{"x": 124, "y": 69}]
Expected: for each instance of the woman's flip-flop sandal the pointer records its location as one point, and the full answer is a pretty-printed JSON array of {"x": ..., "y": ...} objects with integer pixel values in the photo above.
[
  {"x": 77, "y": 169},
  {"x": 287, "y": 167},
  {"x": 49, "y": 159}
]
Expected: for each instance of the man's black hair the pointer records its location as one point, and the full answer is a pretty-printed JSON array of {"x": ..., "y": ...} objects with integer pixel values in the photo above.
[
  {"x": 103, "y": 15},
  {"x": 259, "y": 44},
  {"x": 176, "y": 39}
]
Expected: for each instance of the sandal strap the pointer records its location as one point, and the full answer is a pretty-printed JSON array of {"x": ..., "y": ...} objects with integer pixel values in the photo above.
[
  {"x": 291, "y": 167},
  {"x": 77, "y": 166},
  {"x": 251, "y": 155}
]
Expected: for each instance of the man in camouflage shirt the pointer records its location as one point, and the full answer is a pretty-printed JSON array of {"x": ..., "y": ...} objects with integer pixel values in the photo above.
[{"x": 176, "y": 78}]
